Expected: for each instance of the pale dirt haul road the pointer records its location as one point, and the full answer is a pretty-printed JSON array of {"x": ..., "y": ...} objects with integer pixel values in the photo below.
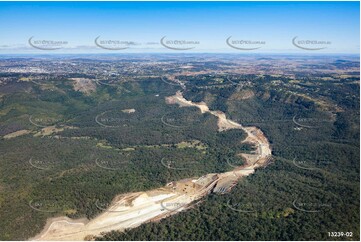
[{"x": 133, "y": 209}]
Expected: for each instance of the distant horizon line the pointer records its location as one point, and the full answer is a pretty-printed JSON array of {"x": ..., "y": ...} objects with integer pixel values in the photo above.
[{"x": 184, "y": 53}]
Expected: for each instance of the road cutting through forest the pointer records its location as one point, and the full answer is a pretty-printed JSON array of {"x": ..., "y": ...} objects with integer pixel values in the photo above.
[{"x": 133, "y": 209}]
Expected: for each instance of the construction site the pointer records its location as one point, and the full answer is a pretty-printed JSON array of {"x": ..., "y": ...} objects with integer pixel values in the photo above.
[{"x": 133, "y": 209}]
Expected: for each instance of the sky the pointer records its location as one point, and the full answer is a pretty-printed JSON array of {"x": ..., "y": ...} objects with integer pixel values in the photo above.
[{"x": 137, "y": 27}]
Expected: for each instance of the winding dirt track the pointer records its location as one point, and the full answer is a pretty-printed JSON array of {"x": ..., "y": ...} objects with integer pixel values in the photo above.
[{"x": 133, "y": 209}]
